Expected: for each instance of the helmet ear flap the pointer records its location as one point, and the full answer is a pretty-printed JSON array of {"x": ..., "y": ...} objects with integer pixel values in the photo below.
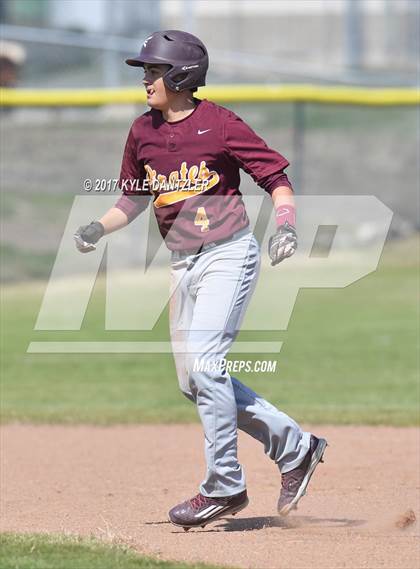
[
  {"x": 177, "y": 80},
  {"x": 173, "y": 79},
  {"x": 179, "y": 77}
]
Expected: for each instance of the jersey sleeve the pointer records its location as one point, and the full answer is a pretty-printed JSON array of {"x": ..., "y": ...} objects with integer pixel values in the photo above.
[
  {"x": 134, "y": 199},
  {"x": 263, "y": 164}
]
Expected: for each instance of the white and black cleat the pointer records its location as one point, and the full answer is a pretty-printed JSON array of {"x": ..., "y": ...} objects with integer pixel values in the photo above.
[{"x": 202, "y": 510}]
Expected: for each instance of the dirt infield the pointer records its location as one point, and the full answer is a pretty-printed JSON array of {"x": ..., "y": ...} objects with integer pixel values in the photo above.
[{"x": 119, "y": 482}]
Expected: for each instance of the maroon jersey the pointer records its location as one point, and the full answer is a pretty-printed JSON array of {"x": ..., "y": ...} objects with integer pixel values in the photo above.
[{"x": 191, "y": 169}]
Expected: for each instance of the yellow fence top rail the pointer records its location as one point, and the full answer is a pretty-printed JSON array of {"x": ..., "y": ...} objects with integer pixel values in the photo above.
[{"x": 221, "y": 93}]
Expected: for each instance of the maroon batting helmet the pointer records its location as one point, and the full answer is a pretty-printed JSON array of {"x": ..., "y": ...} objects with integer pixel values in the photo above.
[{"x": 185, "y": 53}]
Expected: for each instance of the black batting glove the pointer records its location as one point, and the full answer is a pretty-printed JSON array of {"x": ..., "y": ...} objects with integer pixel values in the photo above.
[
  {"x": 87, "y": 235},
  {"x": 282, "y": 244}
]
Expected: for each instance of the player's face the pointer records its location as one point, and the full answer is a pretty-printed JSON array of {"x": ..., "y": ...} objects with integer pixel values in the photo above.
[{"x": 158, "y": 96}]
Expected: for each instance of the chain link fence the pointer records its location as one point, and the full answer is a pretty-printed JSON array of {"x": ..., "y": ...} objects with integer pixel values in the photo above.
[{"x": 333, "y": 149}]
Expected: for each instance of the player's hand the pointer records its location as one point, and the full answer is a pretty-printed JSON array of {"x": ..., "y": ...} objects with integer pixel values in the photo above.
[
  {"x": 282, "y": 244},
  {"x": 87, "y": 235}
]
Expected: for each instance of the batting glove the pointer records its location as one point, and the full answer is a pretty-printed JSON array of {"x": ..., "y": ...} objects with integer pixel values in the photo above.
[
  {"x": 87, "y": 235},
  {"x": 282, "y": 244}
]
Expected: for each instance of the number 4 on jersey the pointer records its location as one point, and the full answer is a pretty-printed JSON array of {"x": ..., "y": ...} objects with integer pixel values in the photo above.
[{"x": 202, "y": 219}]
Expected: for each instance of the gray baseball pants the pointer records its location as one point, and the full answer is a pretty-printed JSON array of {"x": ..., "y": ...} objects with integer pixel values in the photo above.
[{"x": 210, "y": 292}]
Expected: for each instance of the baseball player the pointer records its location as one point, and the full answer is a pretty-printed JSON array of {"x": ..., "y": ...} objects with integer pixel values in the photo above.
[{"x": 185, "y": 155}]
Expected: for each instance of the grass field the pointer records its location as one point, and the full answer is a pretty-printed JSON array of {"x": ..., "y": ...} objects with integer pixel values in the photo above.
[
  {"x": 349, "y": 356},
  {"x": 58, "y": 552}
]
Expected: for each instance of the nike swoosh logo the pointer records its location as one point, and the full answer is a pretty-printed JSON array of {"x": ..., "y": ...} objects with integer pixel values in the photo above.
[
  {"x": 284, "y": 211},
  {"x": 203, "y": 131}
]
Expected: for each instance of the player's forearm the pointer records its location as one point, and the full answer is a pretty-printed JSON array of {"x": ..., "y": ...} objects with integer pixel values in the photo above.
[
  {"x": 283, "y": 195},
  {"x": 113, "y": 220},
  {"x": 284, "y": 206},
  {"x": 283, "y": 243}
]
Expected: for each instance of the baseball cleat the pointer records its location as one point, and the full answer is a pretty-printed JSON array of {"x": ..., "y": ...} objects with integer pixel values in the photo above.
[
  {"x": 201, "y": 510},
  {"x": 295, "y": 482}
]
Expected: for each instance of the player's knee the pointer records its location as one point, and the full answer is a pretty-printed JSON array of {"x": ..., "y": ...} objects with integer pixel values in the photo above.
[
  {"x": 194, "y": 368},
  {"x": 188, "y": 394},
  {"x": 184, "y": 385},
  {"x": 202, "y": 372}
]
